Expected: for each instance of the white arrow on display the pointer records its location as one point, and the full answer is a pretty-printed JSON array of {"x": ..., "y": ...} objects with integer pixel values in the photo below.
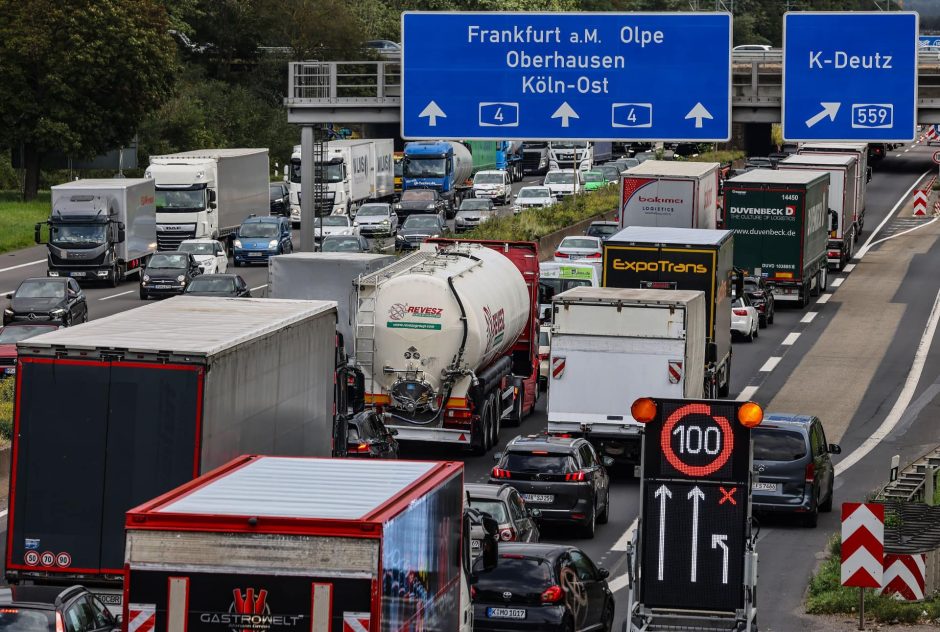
[
  {"x": 720, "y": 540},
  {"x": 828, "y": 109},
  {"x": 698, "y": 113},
  {"x": 697, "y": 496},
  {"x": 663, "y": 493},
  {"x": 564, "y": 112},
  {"x": 432, "y": 111}
]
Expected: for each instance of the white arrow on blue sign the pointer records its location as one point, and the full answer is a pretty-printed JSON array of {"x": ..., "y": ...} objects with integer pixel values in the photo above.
[
  {"x": 560, "y": 76},
  {"x": 850, "y": 76}
]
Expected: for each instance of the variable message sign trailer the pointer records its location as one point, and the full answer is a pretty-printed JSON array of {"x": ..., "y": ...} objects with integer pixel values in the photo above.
[
  {"x": 125, "y": 408},
  {"x": 862, "y": 174},
  {"x": 669, "y": 193},
  {"x": 682, "y": 259},
  {"x": 779, "y": 224},
  {"x": 269, "y": 543}
]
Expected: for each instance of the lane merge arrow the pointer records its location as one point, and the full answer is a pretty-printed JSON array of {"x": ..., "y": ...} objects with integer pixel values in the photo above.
[
  {"x": 698, "y": 113},
  {"x": 432, "y": 111},
  {"x": 564, "y": 112},
  {"x": 828, "y": 109}
]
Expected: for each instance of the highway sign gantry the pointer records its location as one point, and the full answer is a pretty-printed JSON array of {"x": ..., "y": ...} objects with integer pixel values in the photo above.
[
  {"x": 561, "y": 76},
  {"x": 850, "y": 76},
  {"x": 863, "y": 537}
]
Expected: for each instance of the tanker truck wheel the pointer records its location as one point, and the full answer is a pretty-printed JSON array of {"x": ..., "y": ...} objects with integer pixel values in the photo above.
[
  {"x": 480, "y": 440},
  {"x": 496, "y": 418}
]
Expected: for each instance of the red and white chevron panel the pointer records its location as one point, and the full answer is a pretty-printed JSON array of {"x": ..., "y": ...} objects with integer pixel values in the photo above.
[
  {"x": 904, "y": 576},
  {"x": 920, "y": 203},
  {"x": 863, "y": 544}
]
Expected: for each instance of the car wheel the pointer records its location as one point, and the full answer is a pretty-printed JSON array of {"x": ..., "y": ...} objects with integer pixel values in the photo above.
[
  {"x": 590, "y": 523},
  {"x": 811, "y": 518},
  {"x": 826, "y": 507},
  {"x": 605, "y": 515},
  {"x": 608, "y": 620},
  {"x": 750, "y": 336},
  {"x": 143, "y": 295},
  {"x": 757, "y": 329},
  {"x": 770, "y": 315}
]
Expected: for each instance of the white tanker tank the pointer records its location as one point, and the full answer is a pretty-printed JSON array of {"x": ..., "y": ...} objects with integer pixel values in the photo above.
[
  {"x": 444, "y": 324},
  {"x": 463, "y": 162}
]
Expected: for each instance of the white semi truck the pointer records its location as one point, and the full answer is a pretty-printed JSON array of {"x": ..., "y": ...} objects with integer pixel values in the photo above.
[
  {"x": 100, "y": 230},
  {"x": 355, "y": 171},
  {"x": 581, "y": 155},
  {"x": 207, "y": 193},
  {"x": 618, "y": 345}
]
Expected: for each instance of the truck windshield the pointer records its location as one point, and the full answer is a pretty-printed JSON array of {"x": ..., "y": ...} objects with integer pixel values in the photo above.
[
  {"x": 536, "y": 145},
  {"x": 176, "y": 201},
  {"x": 295, "y": 171},
  {"x": 69, "y": 235},
  {"x": 425, "y": 167},
  {"x": 569, "y": 145},
  {"x": 332, "y": 172}
]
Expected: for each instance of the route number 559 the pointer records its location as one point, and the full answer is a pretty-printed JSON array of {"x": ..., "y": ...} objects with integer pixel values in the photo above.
[{"x": 872, "y": 115}]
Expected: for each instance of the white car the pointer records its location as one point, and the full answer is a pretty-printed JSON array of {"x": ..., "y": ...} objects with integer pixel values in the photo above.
[
  {"x": 493, "y": 184},
  {"x": 745, "y": 321},
  {"x": 332, "y": 225},
  {"x": 533, "y": 197},
  {"x": 545, "y": 351},
  {"x": 209, "y": 253},
  {"x": 564, "y": 182},
  {"x": 580, "y": 248}
]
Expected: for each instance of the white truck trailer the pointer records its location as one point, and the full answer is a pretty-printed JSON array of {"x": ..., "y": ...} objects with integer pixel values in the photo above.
[
  {"x": 207, "y": 193},
  {"x": 100, "y": 230},
  {"x": 611, "y": 346},
  {"x": 862, "y": 175},
  {"x": 669, "y": 193}
]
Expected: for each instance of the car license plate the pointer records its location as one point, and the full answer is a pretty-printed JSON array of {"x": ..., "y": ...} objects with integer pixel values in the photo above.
[
  {"x": 505, "y": 613},
  {"x": 764, "y": 487},
  {"x": 161, "y": 287},
  {"x": 254, "y": 254},
  {"x": 539, "y": 498},
  {"x": 475, "y": 544}
]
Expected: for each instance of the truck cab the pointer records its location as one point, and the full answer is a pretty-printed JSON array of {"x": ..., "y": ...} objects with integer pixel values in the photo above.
[
  {"x": 430, "y": 165},
  {"x": 568, "y": 154},
  {"x": 186, "y": 202}
]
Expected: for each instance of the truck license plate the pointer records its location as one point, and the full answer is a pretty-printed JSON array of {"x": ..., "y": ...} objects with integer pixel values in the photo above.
[
  {"x": 539, "y": 498},
  {"x": 254, "y": 254},
  {"x": 506, "y": 613},
  {"x": 764, "y": 487},
  {"x": 77, "y": 274}
]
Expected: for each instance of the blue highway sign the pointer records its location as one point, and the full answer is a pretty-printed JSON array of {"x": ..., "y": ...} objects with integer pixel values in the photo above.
[
  {"x": 560, "y": 76},
  {"x": 931, "y": 41},
  {"x": 850, "y": 76}
]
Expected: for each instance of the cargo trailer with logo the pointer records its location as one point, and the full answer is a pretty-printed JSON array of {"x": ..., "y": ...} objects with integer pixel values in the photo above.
[
  {"x": 119, "y": 410},
  {"x": 682, "y": 259},
  {"x": 303, "y": 545},
  {"x": 669, "y": 193},
  {"x": 779, "y": 222}
]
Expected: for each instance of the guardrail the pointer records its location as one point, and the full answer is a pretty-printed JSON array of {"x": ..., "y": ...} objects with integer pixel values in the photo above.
[{"x": 343, "y": 82}]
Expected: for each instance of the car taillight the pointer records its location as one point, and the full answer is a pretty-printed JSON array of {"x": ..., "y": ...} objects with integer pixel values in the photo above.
[
  {"x": 59, "y": 623},
  {"x": 507, "y": 535},
  {"x": 473, "y": 592},
  {"x": 357, "y": 448},
  {"x": 562, "y": 255},
  {"x": 740, "y": 312},
  {"x": 810, "y": 472},
  {"x": 593, "y": 255},
  {"x": 500, "y": 473},
  {"x": 575, "y": 476},
  {"x": 552, "y": 594}
]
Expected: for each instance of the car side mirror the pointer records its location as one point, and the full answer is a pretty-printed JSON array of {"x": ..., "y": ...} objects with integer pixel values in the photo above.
[
  {"x": 9, "y": 295},
  {"x": 219, "y": 252},
  {"x": 603, "y": 572},
  {"x": 496, "y": 457},
  {"x": 607, "y": 461},
  {"x": 835, "y": 448}
]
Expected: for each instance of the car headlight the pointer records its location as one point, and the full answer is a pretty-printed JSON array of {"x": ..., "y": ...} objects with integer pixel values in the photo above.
[
  {"x": 435, "y": 236},
  {"x": 384, "y": 222},
  {"x": 272, "y": 244},
  {"x": 181, "y": 278},
  {"x": 146, "y": 277},
  {"x": 355, "y": 224},
  {"x": 237, "y": 243},
  {"x": 8, "y": 312},
  {"x": 56, "y": 313},
  {"x": 431, "y": 206}
]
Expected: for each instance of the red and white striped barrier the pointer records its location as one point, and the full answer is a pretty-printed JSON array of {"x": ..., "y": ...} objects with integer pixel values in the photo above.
[
  {"x": 920, "y": 203},
  {"x": 904, "y": 576},
  {"x": 863, "y": 537}
]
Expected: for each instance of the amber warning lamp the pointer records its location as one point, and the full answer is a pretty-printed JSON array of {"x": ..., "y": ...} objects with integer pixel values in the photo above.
[
  {"x": 643, "y": 410},
  {"x": 750, "y": 414}
]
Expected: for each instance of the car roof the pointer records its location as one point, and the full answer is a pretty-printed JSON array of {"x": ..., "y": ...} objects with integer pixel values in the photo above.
[
  {"x": 534, "y": 549},
  {"x": 57, "y": 279},
  {"x": 785, "y": 420},
  {"x": 545, "y": 442},
  {"x": 604, "y": 223},
  {"x": 263, "y": 219},
  {"x": 44, "y": 596}
]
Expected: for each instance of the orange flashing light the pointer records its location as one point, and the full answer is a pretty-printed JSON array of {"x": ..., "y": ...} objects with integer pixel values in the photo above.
[
  {"x": 750, "y": 414},
  {"x": 643, "y": 410}
]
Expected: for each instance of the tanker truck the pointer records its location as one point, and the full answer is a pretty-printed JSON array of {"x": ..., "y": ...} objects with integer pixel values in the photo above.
[
  {"x": 446, "y": 166},
  {"x": 446, "y": 338}
]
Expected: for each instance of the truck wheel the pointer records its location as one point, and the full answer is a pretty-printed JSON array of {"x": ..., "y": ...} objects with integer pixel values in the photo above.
[
  {"x": 114, "y": 277},
  {"x": 823, "y": 282},
  {"x": 496, "y": 419}
]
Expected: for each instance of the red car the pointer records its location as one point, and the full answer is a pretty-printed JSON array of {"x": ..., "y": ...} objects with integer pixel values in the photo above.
[{"x": 9, "y": 336}]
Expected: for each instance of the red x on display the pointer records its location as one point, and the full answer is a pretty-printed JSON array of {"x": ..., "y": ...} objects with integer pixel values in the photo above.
[{"x": 727, "y": 495}]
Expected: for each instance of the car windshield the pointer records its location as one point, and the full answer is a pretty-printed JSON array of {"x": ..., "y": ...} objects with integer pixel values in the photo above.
[
  {"x": 22, "y": 332},
  {"x": 594, "y": 176},
  {"x": 417, "y": 194},
  {"x": 372, "y": 210},
  {"x": 275, "y": 192},
  {"x": 198, "y": 248},
  {"x": 563, "y": 285},
  {"x": 514, "y": 574},
  {"x": 559, "y": 178},
  {"x": 77, "y": 235},
  {"x": 172, "y": 200},
  {"x": 488, "y": 178},
  {"x": 421, "y": 221},
  {"x": 258, "y": 229},
  {"x": 24, "y": 620},
  {"x": 168, "y": 261},
  {"x": 425, "y": 167},
  {"x": 212, "y": 283},
  {"x": 631, "y": 162},
  {"x": 544, "y": 463},
  {"x": 332, "y": 220},
  {"x": 534, "y": 193},
  {"x": 602, "y": 230},
  {"x": 493, "y": 507},
  {"x": 41, "y": 289},
  {"x": 340, "y": 244},
  {"x": 475, "y": 205},
  {"x": 778, "y": 445},
  {"x": 578, "y": 242}
]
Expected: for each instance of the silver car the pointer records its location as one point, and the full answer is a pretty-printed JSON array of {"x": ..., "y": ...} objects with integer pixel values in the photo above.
[{"x": 376, "y": 220}]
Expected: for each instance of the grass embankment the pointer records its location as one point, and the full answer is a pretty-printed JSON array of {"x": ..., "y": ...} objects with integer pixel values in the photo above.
[
  {"x": 18, "y": 218},
  {"x": 6, "y": 410},
  {"x": 533, "y": 224},
  {"x": 718, "y": 156},
  {"x": 827, "y": 595}
]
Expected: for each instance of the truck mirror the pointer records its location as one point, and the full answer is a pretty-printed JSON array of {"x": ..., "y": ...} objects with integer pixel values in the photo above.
[
  {"x": 211, "y": 197},
  {"x": 122, "y": 233},
  {"x": 37, "y": 236}
]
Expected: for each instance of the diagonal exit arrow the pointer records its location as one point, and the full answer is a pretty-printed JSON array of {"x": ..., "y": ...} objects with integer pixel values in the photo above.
[
  {"x": 829, "y": 109},
  {"x": 432, "y": 110},
  {"x": 565, "y": 112}
]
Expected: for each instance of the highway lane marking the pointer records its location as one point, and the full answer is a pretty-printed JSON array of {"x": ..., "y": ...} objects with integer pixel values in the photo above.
[
  {"x": 3, "y": 514},
  {"x": 105, "y": 298},
  {"x": 822, "y": 300},
  {"x": 838, "y": 282},
  {"x": 848, "y": 268},
  {"x": 903, "y": 232},
  {"x": 746, "y": 393},
  {"x": 904, "y": 198},
  {"x": 790, "y": 339},
  {"x": 260, "y": 287},
  {"x": 770, "y": 365},
  {"x": 808, "y": 317},
  {"x": 621, "y": 543},
  {"x": 904, "y": 397},
  {"x": 619, "y": 582},
  {"x": 22, "y": 265}
]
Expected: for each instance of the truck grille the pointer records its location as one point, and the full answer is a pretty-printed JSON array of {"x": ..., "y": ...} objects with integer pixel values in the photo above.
[
  {"x": 172, "y": 241},
  {"x": 530, "y": 160}
]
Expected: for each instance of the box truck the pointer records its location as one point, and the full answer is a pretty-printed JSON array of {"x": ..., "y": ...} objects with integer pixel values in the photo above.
[
  {"x": 100, "y": 230},
  {"x": 862, "y": 175},
  {"x": 125, "y": 408},
  {"x": 682, "y": 259},
  {"x": 840, "y": 222},
  {"x": 620, "y": 345},
  {"x": 207, "y": 193},
  {"x": 268, "y": 543},
  {"x": 668, "y": 193},
  {"x": 779, "y": 222}
]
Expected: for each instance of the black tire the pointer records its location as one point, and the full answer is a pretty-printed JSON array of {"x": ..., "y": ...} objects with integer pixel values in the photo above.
[
  {"x": 749, "y": 337},
  {"x": 479, "y": 444},
  {"x": 115, "y": 277},
  {"x": 811, "y": 518},
  {"x": 757, "y": 330},
  {"x": 590, "y": 524},
  {"x": 607, "y": 622},
  {"x": 567, "y": 625},
  {"x": 770, "y": 315},
  {"x": 826, "y": 507},
  {"x": 237, "y": 263},
  {"x": 143, "y": 295},
  {"x": 605, "y": 515},
  {"x": 494, "y": 419},
  {"x": 67, "y": 320},
  {"x": 823, "y": 279}
]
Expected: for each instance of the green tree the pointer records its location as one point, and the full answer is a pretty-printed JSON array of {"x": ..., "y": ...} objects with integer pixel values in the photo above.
[{"x": 78, "y": 76}]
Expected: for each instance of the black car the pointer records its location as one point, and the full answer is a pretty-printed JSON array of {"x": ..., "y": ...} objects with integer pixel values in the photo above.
[
  {"x": 793, "y": 471},
  {"x": 54, "y": 609},
  {"x": 420, "y": 201},
  {"x": 602, "y": 229},
  {"x": 504, "y": 504},
  {"x": 344, "y": 243},
  {"x": 279, "y": 196},
  {"x": 418, "y": 228},
  {"x": 762, "y": 298},
  {"x": 226, "y": 285},
  {"x": 759, "y": 162},
  {"x": 561, "y": 476},
  {"x": 168, "y": 273},
  {"x": 367, "y": 437},
  {"x": 542, "y": 587},
  {"x": 47, "y": 299}
]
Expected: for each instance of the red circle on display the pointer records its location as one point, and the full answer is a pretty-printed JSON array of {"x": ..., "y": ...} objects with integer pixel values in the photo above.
[
  {"x": 63, "y": 560},
  {"x": 665, "y": 440},
  {"x": 936, "y": 157},
  {"x": 47, "y": 558},
  {"x": 31, "y": 558}
]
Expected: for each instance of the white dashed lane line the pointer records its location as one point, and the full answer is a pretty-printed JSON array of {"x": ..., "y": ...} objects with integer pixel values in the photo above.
[
  {"x": 105, "y": 298},
  {"x": 837, "y": 282},
  {"x": 808, "y": 317},
  {"x": 790, "y": 339},
  {"x": 771, "y": 364},
  {"x": 824, "y": 299},
  {"x": 747, "y": 393}
]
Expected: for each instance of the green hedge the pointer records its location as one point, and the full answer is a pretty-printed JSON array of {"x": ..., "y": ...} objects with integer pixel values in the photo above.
[
  {"x": 533, "y": 224},
  {"x": 718, "y": 156},
  {"x": 6, "y": 409}
]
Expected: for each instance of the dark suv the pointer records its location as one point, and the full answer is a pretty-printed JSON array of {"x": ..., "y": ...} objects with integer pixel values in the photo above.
[
  {"x": 560, "y": 476},
  {"x": 54, "y": 609},
  {"x": 504, "y": 504},
  {"x": 792, "y": 468}
]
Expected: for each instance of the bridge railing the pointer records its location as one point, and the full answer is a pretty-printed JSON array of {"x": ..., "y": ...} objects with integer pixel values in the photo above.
[{"x": 319, "y": 82}]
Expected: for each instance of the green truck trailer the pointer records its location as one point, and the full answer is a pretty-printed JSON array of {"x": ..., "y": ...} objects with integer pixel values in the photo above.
[{"x": 779, "y": 223}]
